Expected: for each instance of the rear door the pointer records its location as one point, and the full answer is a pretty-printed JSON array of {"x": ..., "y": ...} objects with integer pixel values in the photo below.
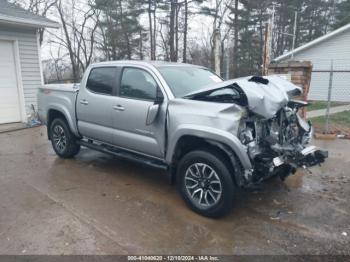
[
  {"x": 95, "y": 104},
  {"x": 137, "y": 93}
]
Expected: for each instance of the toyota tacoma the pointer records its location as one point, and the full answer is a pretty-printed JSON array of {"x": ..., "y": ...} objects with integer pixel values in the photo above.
[{"x": 213, "y": 136}]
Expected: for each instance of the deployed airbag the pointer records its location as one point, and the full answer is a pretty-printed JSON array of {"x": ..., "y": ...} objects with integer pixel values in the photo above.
[
  {"x": 266, "y": 99},
  {"x": 265, "y": 95}
]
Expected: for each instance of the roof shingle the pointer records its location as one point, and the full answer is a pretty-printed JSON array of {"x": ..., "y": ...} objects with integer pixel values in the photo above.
[{"x": 13, "y": 13}]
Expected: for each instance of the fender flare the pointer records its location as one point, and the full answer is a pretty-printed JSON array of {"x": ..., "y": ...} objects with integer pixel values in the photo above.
[
  {"x": 71, "y": 122},
  {"x": 211, "y": 134}
]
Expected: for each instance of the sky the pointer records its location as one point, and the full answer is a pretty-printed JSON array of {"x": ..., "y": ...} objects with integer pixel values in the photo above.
[{"x": 199, "y": 30}]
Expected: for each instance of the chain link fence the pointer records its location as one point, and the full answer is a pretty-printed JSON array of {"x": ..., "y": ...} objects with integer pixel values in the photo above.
[{"x": 329, "y": 96}]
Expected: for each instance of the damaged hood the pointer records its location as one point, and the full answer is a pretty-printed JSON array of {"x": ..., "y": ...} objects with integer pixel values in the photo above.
[{"x": 265, "y": 95}]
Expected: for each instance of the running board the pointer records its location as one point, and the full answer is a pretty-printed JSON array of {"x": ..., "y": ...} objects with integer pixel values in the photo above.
[{"x": 120, "y": 153}]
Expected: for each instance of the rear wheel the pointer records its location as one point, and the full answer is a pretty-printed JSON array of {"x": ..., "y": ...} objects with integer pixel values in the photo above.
[
  {"x": 205, "y": 183},
  {"x": 63, "y": 140}
]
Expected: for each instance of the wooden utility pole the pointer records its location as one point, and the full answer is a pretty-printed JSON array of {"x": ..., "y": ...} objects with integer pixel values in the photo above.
[
  {"x": 267, "y": 49},
  {"x": 228, "y": 58},
  {"x": 217, "y": 41},
  {"x": 294, "y": 33}
]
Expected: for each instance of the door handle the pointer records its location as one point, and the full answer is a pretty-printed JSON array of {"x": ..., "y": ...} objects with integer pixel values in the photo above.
[
  {"x": 84, "y": 102},
  {"x": 118, "y": 108}
]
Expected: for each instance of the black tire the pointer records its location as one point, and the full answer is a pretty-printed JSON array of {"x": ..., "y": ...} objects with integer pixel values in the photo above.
[
  {"x": 197, "y": 163},
  {"x": 62, "y": 139}
]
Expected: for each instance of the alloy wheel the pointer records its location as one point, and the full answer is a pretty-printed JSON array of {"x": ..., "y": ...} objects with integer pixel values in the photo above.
[
  {"x": 203, "y": 185},
  {"x": 59, "y": 138}
]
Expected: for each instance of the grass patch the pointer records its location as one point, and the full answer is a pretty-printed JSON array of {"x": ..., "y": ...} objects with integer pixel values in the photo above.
[
  {"x": 342, "y": 118},
  {"x": 337, "y": 119},
  {"x": 316, "y": 105}
]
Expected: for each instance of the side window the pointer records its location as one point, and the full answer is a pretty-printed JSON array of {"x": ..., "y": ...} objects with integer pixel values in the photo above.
[
  {"x": 102, "y": 80},
  {"x": 138, "y": 84}
]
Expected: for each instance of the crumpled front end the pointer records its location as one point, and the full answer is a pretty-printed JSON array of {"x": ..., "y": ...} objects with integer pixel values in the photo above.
[
  {"x": 279, "y": 145},
  {"x": 275, "y": 137}
]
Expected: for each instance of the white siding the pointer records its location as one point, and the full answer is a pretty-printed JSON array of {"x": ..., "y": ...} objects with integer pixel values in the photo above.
[
  {"x": 337, "y": 49},
  {"x": 29, "y": 61}
]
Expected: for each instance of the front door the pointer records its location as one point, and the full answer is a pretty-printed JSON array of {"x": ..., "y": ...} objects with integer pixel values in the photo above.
[{"x": 137, "y": 93}]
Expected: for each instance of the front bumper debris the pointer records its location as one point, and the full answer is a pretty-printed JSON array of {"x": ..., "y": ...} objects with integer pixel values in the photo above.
[{"x": 312, "y": 156}]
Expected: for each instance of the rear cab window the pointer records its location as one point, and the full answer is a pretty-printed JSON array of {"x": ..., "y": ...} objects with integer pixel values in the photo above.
[{"x": 103, "y": 80}]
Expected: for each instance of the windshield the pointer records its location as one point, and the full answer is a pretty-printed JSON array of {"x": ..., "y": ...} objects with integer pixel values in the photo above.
[{"x": 184, "y": 80}]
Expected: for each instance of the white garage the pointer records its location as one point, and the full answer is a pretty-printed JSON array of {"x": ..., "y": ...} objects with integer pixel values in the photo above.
[
  {"x": 20, "y": 66},
  {"x": 322, "y": 52},
  {"x": 10, "y": 105}
]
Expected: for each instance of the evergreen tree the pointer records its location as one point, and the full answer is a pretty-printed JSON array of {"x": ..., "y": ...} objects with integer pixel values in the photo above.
[
  {"x": 248, "y": 25},
  {"x": 248, "y": 20},
  {"x": 342, "y": 14},
  {"x": 123, "y": 34}
]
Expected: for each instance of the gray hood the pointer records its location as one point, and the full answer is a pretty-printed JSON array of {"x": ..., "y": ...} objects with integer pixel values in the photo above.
[{"x": 264, "y": 97}]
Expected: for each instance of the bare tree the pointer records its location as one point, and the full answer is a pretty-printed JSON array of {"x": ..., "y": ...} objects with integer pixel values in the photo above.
[
  {"x": 57, "y": 68},
  {"x": 152, "y": 10},
  {"x": 172, "y": 33},
  {"x": 39, "y": 7},
  {"x": 200, "y": 52},
  {"x": 235, "y": 44},
  {"x": 218, "y": 12},
  {"x": 184, "y": 52},
  {"x": 101, "y": 37},
  {"x": 151, "y": 35},
  {"x": 78, "y": 34},
  {"x": 164, "y": 44}
]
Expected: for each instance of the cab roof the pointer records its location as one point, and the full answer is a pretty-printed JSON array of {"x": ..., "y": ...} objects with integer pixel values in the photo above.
[{"x": 148, "y": 63}]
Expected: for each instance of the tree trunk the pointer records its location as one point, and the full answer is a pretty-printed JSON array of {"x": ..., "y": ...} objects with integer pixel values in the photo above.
[
  {"x": 150, "y": 27},
  {"x": 184, "y": 55},
  {"x": 127, "y": 39},
  {"x": 69, "y": 44},
  {"x": 172, "y": 31},
  {"x": 176, "y": 32},
  {"x": 154, "y": 34},
  {"x": 235, "y": 43},
  {"x": 141, "y": 46}
]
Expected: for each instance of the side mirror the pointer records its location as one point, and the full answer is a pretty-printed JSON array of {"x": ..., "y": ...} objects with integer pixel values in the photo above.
[
  {"x": 159, "y": 97},
  {"x": 153, "y": 109},
  {"x": 152, "y": 113}
]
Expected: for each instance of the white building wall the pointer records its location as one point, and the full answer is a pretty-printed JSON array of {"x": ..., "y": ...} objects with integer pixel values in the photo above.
[
  {"x": 337, "y": 49},
  {"x": 29, "y": 61}
]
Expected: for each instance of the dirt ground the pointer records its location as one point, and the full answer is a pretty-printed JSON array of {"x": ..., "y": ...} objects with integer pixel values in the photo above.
[
  {"x": 337, "y": 129},
  {"x": 96, "y": 204}
]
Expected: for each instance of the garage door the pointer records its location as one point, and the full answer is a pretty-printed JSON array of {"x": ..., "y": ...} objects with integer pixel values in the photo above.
[{"x": 9, "y": 99}]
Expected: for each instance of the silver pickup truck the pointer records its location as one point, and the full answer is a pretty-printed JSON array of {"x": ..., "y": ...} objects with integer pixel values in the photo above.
[{"x": 213, "y": 136}]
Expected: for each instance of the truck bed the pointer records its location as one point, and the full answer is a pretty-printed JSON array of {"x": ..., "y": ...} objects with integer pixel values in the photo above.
[
  {"x": 62, "y": 87},
  {"x": 60, "y": 97}
]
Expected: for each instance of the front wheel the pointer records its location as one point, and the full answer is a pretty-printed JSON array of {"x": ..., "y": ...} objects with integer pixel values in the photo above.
[
  {"x": 63, "y": 140},
  {"x": 205, "y": 183}
]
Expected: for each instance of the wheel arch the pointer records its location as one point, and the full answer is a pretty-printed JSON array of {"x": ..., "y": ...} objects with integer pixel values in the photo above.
[
  {"x": 59, "y": 112},
  {"x": 187, "y": 143},
  {"x": 210, "y": 134}
]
